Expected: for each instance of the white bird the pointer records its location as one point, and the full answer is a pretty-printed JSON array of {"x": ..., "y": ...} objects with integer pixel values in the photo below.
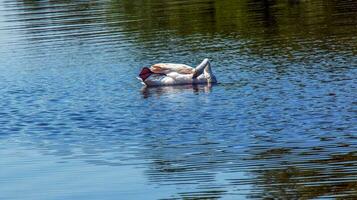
[{"x": 177, "y": 74}]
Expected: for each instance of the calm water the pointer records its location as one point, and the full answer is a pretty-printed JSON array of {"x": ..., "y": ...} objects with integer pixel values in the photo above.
[{"x": 76, "y": 124}]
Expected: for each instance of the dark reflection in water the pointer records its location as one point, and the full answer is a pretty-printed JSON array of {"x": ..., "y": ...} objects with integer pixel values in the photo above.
[{"x": 281, "y": 123}]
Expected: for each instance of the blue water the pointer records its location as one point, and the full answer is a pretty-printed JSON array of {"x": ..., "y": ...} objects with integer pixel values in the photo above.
[{"x": 75, "y": 123}]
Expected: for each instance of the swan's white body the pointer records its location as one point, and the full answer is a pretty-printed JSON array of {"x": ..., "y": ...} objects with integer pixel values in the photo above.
[{"x": 180, "y": 74}]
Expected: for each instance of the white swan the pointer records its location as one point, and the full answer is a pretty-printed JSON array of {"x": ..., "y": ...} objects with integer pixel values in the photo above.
[{"x": 177, "y": 74}]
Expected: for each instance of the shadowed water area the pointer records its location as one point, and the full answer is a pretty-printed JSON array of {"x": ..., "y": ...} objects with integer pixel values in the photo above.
[{"x": 75, "y": 123}]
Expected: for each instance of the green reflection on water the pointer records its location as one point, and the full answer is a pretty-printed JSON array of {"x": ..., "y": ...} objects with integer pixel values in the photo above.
[
  {"x": 284, "y": 25},
  {"x": 267, "y": 28},
  {"x": 249, "y": 18}
]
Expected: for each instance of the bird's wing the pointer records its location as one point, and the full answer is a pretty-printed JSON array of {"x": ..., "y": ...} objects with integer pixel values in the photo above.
[{"x": 166, "y": 68}]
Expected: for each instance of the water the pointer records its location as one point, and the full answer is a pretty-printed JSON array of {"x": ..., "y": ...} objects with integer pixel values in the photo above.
[{"x": 76, "y": 123}]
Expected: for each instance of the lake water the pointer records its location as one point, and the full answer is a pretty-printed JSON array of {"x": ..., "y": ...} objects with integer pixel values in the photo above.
[{"x": 75, "y": 123}]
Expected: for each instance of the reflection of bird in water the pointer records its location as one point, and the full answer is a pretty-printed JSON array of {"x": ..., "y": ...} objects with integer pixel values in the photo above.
[
  {"x": 158, "y": 91},
  {"x": 177, "y": 74}
]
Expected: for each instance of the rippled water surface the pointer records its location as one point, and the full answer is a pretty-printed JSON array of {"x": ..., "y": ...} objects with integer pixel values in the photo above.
[{"x": 75, "y": 123}]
